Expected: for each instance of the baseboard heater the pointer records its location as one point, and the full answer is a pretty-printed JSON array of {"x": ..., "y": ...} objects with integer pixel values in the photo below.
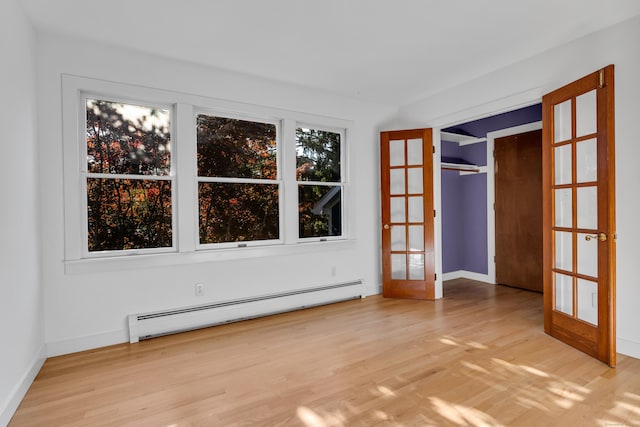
[{"x": 150, "y": 325}]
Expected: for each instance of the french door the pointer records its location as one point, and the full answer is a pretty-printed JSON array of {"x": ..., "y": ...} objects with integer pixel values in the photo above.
[
  {"x": 579, "y": 214},
  {"x": 408, "y": 266}
]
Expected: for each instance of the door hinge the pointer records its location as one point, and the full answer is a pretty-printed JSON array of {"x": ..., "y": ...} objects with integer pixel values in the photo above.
[
  {"x": 601, "y": 79},
  {"x": 434, "y": 213},
  {"x": 435, "y": 277}
]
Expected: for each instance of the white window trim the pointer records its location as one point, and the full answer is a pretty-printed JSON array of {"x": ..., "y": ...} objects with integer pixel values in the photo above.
[
  {"x": 343, "y": 183},
  {"x": 84, "y": 95},
  {"x": 186, "y": 248},
  {"x": 278, "y": 181}
]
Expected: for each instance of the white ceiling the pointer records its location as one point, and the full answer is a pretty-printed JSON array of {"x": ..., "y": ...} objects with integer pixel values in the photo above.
[{"x": 387, "y": 51}]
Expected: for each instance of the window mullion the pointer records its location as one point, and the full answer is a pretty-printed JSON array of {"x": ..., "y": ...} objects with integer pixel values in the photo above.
[
  {"x": 186, "y": 200},
  {"x": 128, "y": 177},
  {"x": 289, "y": 187},
  {"x": 236, "y": 180},
  {"x": 348, "y": 215}
]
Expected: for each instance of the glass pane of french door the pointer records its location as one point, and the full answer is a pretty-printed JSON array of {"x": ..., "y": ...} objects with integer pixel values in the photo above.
[
  {"x": 575, "y": 214},
  {"x": 407, "y": 209}
]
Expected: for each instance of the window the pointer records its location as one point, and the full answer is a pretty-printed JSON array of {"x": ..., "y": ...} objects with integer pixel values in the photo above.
[
  {"x": 128, "y": 176},
  {"x": 148, "y": 171},
  {"x": 320, "y": 184},
  {"x": 238, "y": 188}
]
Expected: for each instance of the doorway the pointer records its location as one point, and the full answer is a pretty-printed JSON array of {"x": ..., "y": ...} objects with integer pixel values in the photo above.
[{"x": 468, "y": 193}]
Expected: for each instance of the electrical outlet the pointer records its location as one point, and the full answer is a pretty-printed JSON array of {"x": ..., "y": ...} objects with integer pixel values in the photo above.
[{"x": 199, "y": 289}]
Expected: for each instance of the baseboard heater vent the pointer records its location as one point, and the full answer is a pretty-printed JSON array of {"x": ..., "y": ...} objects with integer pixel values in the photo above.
[{"x": 150, "y": 325}]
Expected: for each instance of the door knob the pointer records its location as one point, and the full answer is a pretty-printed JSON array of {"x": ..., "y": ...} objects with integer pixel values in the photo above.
[
  {"x": 600, "y": 236},
  {"x": 386, "y": 226}
]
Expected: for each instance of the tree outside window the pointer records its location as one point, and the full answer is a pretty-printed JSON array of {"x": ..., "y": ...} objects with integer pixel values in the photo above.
[
  {"x": 128, "y": 179},
  {"x": 238, "y": 191},
  {"x": 320, "y": 188}
]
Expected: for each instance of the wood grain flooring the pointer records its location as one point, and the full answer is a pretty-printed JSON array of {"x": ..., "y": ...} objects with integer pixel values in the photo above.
[{"x": 478, "y": 357}]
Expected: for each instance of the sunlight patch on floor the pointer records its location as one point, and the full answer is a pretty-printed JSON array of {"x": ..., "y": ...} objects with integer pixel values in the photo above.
[
  {"x": 534, "y": 371},
  {"x": 463, "y": 415},
  {"x": 520, "y": 368},
  {"x": 624, "y": 409},
  {"x": 530, "y": 403},
  {"x": 567, "y": 396},
  {"x": 477, "y": 345},
  {"x": 452, "y": 341},
  {"x": 632, "y": 396},
  {"x": 312, "y": 419},
  {"x": 448, "y": 341},
  {"x": 381, "y": 416},
  {"x": 383, "y": 392},
  {"x": 475, "y": 367}
]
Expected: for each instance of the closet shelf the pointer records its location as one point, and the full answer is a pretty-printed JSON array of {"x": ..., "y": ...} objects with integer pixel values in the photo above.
[
  {"x": 458, "y": 164},
  {"x": 460, "y": 138}
]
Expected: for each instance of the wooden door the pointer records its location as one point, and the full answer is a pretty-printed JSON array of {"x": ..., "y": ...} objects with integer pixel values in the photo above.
[
  {"x": 518, "y": 210},
  {"x": 408, "y": 265},
  {"x": 579, "y": 214}
]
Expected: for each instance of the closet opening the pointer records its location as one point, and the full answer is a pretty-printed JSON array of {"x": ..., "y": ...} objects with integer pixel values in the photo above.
[{"x": 490, "y": 230}]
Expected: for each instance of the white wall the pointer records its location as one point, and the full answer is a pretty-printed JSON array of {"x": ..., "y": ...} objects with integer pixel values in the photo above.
[
  {"x": 88, "y": 309},
  {"x": 21, "y": 323},
  {"x": 525, "y": 82}
]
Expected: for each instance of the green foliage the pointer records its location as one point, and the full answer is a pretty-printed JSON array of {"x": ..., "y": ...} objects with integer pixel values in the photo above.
[
  {"x": 318, "y": 157},
  {"x": 318, "y": 160}
]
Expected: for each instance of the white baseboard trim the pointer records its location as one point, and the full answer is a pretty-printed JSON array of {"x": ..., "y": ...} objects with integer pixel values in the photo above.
[
  {"x": 628, "y": 347},
  {"x": 463, "y": 274},
  {"x": 87, "y": 342},
  {"x": 369, "y": 289},
  {"x": 377, "y": 290},
  {"x": 20, "y": 390}
]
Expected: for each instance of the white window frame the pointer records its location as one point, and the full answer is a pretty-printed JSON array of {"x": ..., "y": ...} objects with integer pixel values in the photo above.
[
  {"x": 279, "y": 181},
  {"x": 342, "y": 183},
  {"x": 85, "y": 175},
  {"x": 185, "y": 219}
]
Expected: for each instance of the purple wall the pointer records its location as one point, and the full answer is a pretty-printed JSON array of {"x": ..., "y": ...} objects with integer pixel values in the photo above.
[
  {"x": 475, "y": 153},
  {"x": 464, "y": 212},
  {"x": 474, "y": 220},
  {"x": 480, "y": 128},
  {"x": 452, "y": 234}
]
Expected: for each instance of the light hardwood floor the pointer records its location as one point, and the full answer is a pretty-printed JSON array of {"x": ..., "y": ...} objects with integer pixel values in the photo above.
[{"x": 478, "y": 357}]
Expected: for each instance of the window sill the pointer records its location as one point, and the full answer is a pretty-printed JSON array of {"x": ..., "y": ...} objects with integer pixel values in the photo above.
[{"x": 132, "y": 262}]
